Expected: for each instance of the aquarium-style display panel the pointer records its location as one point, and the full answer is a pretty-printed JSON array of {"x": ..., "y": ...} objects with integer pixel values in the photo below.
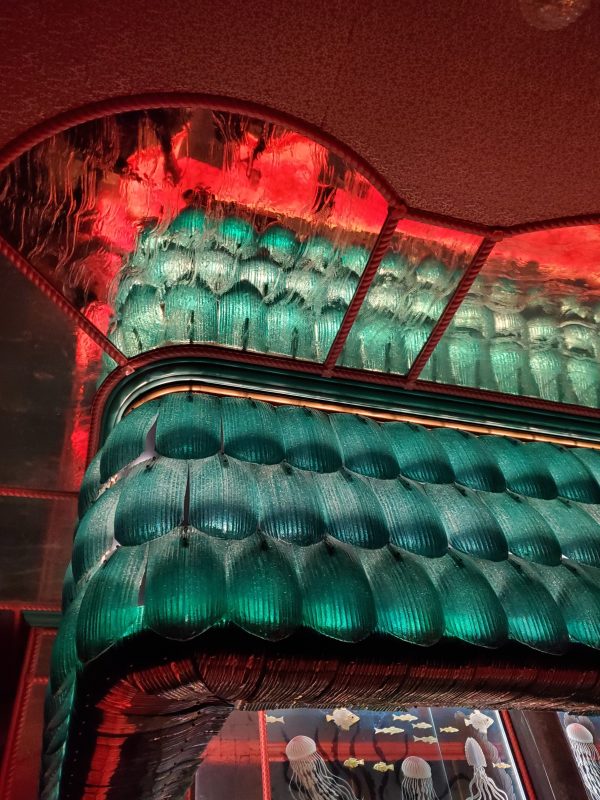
[
  {"x": 582, "y": 735},
  {"x": 348, "y": 754}
]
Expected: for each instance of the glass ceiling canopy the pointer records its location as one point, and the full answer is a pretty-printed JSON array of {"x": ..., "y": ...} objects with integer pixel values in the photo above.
[{"x": 196, "y": 226}]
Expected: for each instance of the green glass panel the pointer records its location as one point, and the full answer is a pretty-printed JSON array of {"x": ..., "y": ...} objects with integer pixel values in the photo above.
[
  {"x": 376, "y": 344},
  {"x": 263, "y": 593},
  {"x": 472, "y": 612},
  {"x": 280, "y": 244},
  {"x": 290, "y": 506},
  {"x": 190, "y": 314},
  {"x": 65, "y": 660},
  {"x": 242, "y": 319},
  {"x": 262, "y": 275},
  {"x": 236, "y": 236},
  {"x": 407, "y": 604},
  {"x": 591, "y": 459},
  {"x": 142, "y": 324},
  {"x": 68, "y": 590},
  {"x": 152, "y": 501},
  {"x": 326, "y": 325},
  {"x": 578, "y": 598},
  {"x": 95, "y": 533},
  {"x": 251, "y": 431},
  {"x": 469, "y": 525},
  {"x": 188, "y": 229},
  {"x": 185, "y": 584},
  {"x": 350, "y": 509},
  {"x": 337, "y": 598},
  {"x": 411, "y": 518},
  {"x": 418, "y": 453},
  {"x": 354, "y": 259},
  {"x": 189, "y": 426},
  {"x": 216, "y": 271},
  {"x": 224, "y": 497},
  {"x": 164, "y": 268},
  {"x": 288, "y": 329},
  {"x": 577, "y": 532},
  {"x": 573, "y": 479},
  {"x": 111, "y": 607},
  {"x": 364, "y": 448},
  {"x": 533, "y": 617},
  {"x": 90, "y": 484},
  {"x": 309, "y": 440},
  {"x": 473, "y": 465},
  {"x": 128, "y": 440},
  {"x": 523, "y": 471},
  {"x": 527, "y": 532}
]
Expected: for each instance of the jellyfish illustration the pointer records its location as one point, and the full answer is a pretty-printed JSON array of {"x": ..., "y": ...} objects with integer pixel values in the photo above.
[
  {"x": 416, "y": 780},
  {"x": 481, "y": 787},
  {"x": 586, "y": 756},
  {"x": 311, "y": 780}
]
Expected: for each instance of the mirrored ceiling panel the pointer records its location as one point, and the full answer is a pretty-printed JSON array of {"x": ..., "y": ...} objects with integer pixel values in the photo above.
[
  {"x": 531, "y": 323},
  {"x": 196, "y": 226},
  {"x": 413, "y": 284}
]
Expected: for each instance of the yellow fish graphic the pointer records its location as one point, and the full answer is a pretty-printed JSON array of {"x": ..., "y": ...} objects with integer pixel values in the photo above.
[
  {"x": 381, "y": 766},
  {"x": 502, "y": 765},
  {"x": 449, "y": 729},
  {"x": 422, "y": 725},
  {"x": 275, "y": 719},
  {"x": 404, "y": 717},
  {"x": 352, "y": 762},
  {"x": 426, "y": 739},
  {"x": 391, "y": 731}
]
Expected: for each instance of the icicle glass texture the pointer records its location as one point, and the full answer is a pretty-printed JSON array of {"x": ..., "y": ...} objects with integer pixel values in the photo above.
[
  {"x": 196, "y": 227},
  {"x": 531, "y": 323},
  {"x": 413, "y": 284}
]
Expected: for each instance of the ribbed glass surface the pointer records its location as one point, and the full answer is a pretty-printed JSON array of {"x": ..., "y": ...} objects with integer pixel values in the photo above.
[{"x": 529, "y": 325}]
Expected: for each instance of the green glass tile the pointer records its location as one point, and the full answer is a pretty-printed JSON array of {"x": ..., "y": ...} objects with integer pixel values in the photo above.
[
  {"x": 128, "y": 440},
  {"x": 242, "y": 319},
  {"x": 262, "y": 275},
  {"x": 90, "y": 484},
  {"x": 95, "y": 533},
  {"x": 573, "y": 479},
  {"x": 364, "y": 447},
  {"x": 152, "y": 501},
  {"x": 418, "y": 453},
  {"x": 111, "y": 606},
  {"x": 264, "y": 599},
  {"x": 190, "y": 314},
  {"x": 236, "y": 236},
  {"x": 309, "y": 440},
  {"x": 185, "y": 591},
  {"x": 224, "y": 497},
  {"x": 189, "y": 426},
  {"x": 216, "y": 270},
  {"x": 251, "y": 431},
  {"x": 336, "y": 597},
  {"x": 473, "y": 465},
  {"x": 523, "y": 472},
  {"x": 280, "y": 244},
  {"x": 290, "y": 505},
  {"x": 577, "y": 532},
  {"x": 407, "y": 603}
]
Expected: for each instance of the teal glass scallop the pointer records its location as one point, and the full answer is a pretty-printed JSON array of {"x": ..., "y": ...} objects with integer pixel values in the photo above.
[
  {"x": 251, "y": 431},
  {"x": 350, "y": 509},
  {"x": 336, "y": 596},
  {"x": 185, "y": 589},
  {"x": 355, "y": 259},
  {"x": 188, "y": 229},
  {"x": 242, "y": 319},
  {"x": 68, "y": 588},
  {"x": 263, "y": 593},
  {"x": 470, "y": 526},
  {"x": 317, "y": 253},
  {"x": 309, "y": 439},
  {"x": 290, "y": 509},
  {"x": 576, "y": 530},
  {"x": 90, "y": 485},
  {"x": 191, "y": 314},
  {"x": 374, "y": 344},
  {"x": 110, "y": 607},
  {"x": 533, "y": 617},
  {"x": 473, "y": 465},
  {"x": 527, "y": 533},
  {"x": 168, "y": 266},
  {"x": 364, "y": 447},
  {"x": 472, "y": 612},
  {"x": 95, "y": 533},
  {"x": 189, "y": 425},
  {"x": 151, "y": 501},
  {"x": 142, "y": 323},
  {"x": 418, "y": 453},
  {"x": 65, "y": 661},
  {"x": 578, "y": 598},
  {"x": 215, "y": 270},
  {"x": 407, "y": 603},
  {"x": 280, "y": 244},
  {"x": 590, "y": 458},
  {"x": 573, "y": 479},
  {"x": 224, "y": 497},
  {"x": 412, "y": 520},
  {"x": 262, "y": 275},
  {"x": 236, "y": 236},
  {"x": 289, "y": 331},
  {"x": 523, "y": 471},
  {"x": 327, "y": 322},
  {"x": 128, "y": 439}
]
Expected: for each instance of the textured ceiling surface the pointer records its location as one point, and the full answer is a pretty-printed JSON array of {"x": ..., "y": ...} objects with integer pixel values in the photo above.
[{"x": 464, "y": 107}]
